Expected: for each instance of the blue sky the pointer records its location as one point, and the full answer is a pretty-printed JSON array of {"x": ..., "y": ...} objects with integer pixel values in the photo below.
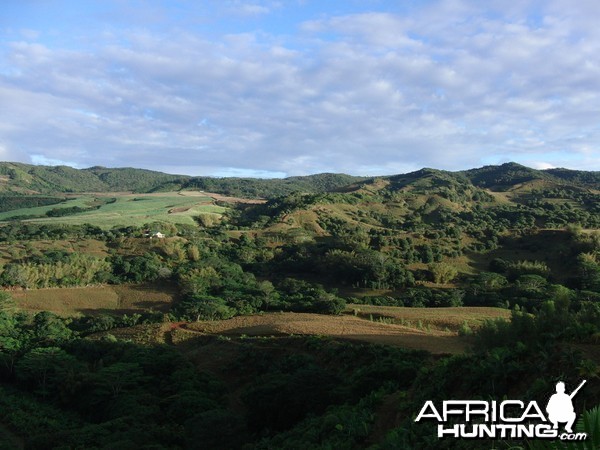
[{"x": 280, "y": 88}]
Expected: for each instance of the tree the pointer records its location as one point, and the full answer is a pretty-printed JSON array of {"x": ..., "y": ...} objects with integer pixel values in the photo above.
[
  {"x": 330, "y": 304},
  {"x": 118, "y": 377},
  {"x": 200, "y": 281},
  {"x": 48, "y": 328},
  {"x": 205, "y": 307},
  {"x": 531, "y": 283},
  {"x": 487, "y": 281},
  {"x": 268, "y": 292},
  {"x": 7, "y": 304},
  {"x": 13, "y": 275},
  {"x": 426, "y": 253},
  {"x": 193, "y": 253},
  {"x": 42, "y": 367},
  {"x": 442, "y": 272},
  {"x": 589, "y": 271},
  {"x": 13, "y": 342}
]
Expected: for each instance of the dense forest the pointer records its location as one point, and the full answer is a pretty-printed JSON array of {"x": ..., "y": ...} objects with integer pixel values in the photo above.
[{"x": 508, "y": 237}]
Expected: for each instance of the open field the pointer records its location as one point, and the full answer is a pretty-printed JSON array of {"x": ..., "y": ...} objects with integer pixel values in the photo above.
[
  {"x": 124, "y": 209},
  {"x": 431, "y": 329},
  {"x": 96, "y": 300},
  {"x": 343, "y": 327},
  {"x": 451, "y": 318}
]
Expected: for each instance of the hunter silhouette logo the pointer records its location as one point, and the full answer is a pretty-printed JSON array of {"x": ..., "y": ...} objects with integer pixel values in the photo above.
[
  {"x": 508, "y": 419},
  {"x": 560, "y": 407}
]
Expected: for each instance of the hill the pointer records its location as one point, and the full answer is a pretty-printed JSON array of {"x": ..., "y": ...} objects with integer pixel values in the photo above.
[
  {"x": 26, "y": 179},
  {"x": 288, "y": 321},
  {"x": 269, "y": 188},
  {"x": 31, "y": 179},
  {"x": 505, "y": 176}
]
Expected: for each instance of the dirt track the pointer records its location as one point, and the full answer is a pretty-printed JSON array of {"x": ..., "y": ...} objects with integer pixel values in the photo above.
[{"x": 345, "y": 327}]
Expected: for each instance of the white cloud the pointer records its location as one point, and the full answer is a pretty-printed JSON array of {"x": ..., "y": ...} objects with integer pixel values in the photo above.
[
  {"x": 250, "y": 10},
  {"x": 362, "y": 93},
  {"x": 42, "y": 160}
]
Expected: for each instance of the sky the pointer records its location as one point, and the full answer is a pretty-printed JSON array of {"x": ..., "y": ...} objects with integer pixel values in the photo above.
[{"x": 268, "y": 88}]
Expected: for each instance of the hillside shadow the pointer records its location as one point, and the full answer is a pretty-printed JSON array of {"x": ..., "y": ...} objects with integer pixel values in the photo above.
[
  {"x": 552, "y": 247},
  {"x": 254, "y": 330},
  {"x": 435, "y": 345},
  {"x": 107, "y": 311},
  {"x": 150, "y": 305},
  {"x": 165, "y": 287}
]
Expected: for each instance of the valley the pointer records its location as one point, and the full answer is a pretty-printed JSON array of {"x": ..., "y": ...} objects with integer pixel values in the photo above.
[{"x": 306, "y": 312}]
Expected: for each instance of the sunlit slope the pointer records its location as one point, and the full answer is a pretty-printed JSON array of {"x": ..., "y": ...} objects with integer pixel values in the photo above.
[{"x": 121, "y": 210}]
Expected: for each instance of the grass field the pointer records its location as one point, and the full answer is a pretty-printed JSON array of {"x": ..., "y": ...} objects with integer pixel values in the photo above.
[
  {"x": 451, "y": 318},
  {"x": 279, "y": 325},
  {"x": 126, "y": 209},
  {"x": 96, "y": 300},
  {"x": 342, "y": 327},
  {"x": 439, "y": 338}
]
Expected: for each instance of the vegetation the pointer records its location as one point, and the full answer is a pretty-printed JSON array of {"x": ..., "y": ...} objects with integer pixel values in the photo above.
[
  {"x": 158, "y": 320},
  {"x": 24, "y": 179}
]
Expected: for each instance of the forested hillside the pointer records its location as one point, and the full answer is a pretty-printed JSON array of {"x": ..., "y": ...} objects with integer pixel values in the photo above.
[
  {"x": 323, "y": 316},
  {"x": 30, "y": 179},
  {"x": 18, "y": 178}
]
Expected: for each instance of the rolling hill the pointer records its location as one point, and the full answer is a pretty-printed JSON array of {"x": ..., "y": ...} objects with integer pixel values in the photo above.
[
  {"x": 26, "y": 179},
  {"x": 19, "y": 178},
  {"x": 336, "y": 298}
]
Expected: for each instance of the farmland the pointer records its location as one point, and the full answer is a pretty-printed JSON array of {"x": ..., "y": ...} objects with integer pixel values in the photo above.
[{"x": 123, "y": 209}]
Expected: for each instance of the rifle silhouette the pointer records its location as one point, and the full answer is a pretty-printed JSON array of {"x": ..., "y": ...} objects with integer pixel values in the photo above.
[{"x": 577, "y": 390}]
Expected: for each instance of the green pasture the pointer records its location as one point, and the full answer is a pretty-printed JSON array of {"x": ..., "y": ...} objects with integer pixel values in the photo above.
[
  {"x": 82, "y": 202},
  {"x": 125, "y": 210}
]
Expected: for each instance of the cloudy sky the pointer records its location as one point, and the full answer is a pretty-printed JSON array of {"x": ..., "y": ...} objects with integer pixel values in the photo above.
[{"x": 278, "y": 88}]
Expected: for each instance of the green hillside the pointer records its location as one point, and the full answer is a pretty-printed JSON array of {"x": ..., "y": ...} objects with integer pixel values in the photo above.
[
  {"x": 269, "y": 188},
  {"x": 321, "y": 317},
  {"x": 25, "y": 179},
  {"x": 30, "y": 179}
]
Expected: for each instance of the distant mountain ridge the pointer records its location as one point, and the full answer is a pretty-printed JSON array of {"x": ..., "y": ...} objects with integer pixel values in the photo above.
[
  {"x": 27, "y": 178},
  {"x": 24, "y": 179}
]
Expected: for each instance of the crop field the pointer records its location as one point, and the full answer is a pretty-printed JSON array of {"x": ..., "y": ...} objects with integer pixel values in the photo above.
[
  {"x": 96, "y": 300},
  {"x": 124, "y": 209}
]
